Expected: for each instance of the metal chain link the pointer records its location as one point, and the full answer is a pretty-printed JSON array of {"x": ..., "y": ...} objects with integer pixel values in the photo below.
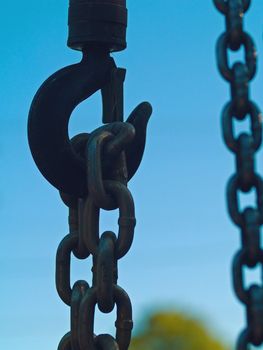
[
  {"x": 244, "y": 146},
  {"x": 107, "y": 142}
]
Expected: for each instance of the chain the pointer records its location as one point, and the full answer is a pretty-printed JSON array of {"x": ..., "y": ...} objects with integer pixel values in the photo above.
[
  {"x": 104, "y": 144},
  {"x": 84, "y": 240},
  {"x": 91, "y": 171},
  {"x": 244, "y": 148}
]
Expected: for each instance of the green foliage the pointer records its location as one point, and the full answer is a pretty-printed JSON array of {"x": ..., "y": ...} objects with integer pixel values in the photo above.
[{"x": 170, "y": 331}]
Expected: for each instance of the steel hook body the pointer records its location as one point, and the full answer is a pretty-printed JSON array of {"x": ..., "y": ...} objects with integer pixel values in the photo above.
[{"x": 49, "y": 117}]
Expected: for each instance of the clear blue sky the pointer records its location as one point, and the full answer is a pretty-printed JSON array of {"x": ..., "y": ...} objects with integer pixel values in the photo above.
[{"x": 184, "y": 239}]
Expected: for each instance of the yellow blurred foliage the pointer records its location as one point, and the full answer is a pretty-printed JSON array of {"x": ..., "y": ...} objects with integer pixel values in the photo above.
[{"x": 174, "y": 331}]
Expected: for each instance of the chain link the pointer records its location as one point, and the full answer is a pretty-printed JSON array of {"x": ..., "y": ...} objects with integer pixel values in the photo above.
[
  {"x": 107, "y": 189},
  {"x": 244, "y": 148}
]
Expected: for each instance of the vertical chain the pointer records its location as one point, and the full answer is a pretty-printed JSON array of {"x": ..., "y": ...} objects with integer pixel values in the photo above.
[
  {"x": 105, "y": 146},
  {"x": 92, "y": 170},
  {"x": 244, "y": 147}
]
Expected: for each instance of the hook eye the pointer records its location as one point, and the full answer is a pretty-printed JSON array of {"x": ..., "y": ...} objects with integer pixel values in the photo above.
[{"x": 49, "y": 117}]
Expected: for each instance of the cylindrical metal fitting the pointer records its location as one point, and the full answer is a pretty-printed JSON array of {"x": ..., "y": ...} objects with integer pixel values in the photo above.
[{"x": 97, "y": 23}]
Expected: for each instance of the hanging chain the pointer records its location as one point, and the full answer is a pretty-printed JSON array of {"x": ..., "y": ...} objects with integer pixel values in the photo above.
[
  {"x": 244, "y": 147},
  {"x": 91, "y": 171},
  {"x": 84, "y": 239}
]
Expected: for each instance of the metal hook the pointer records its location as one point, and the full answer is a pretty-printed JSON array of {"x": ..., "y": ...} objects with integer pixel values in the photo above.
[{"x": 52, "y": 107}]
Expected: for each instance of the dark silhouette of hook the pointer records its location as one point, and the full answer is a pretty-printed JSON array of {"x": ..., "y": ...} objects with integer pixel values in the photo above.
[{"x": 49, "y": 116}]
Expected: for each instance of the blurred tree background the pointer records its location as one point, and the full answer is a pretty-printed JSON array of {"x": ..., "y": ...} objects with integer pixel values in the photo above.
[{"x": 168, "y": 330}]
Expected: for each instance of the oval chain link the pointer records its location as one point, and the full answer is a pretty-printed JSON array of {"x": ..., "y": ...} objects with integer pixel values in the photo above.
[
  {"x": 244, "y": 147},
  {"x": 107, "y": 188}
]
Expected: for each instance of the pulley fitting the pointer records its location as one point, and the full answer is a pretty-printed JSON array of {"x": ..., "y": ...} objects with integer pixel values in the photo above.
[{"x": 97, "y": 23}]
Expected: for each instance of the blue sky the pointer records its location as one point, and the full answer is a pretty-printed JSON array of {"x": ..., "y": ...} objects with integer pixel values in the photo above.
[{"x": 184, "y": 240}]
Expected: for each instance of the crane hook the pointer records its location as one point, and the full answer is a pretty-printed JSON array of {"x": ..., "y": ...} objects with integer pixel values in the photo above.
[{"x": 49, "y": 116}]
